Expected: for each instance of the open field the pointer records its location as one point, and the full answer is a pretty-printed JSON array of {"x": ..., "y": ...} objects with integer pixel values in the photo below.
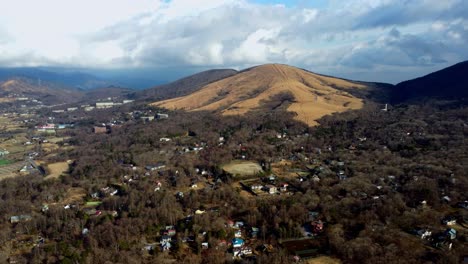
[
  {"x": 73, "y": 195},
  {"x": 323, "y": 260},
  {"x": 242, "y": 168},
  {"x": 56, "y": 140},
  {"x": 56, "y": 169},
  {"x": 10, "y": 170},
  {"x": 9, "y": 124},
  {"x": 6, "y": 99}
]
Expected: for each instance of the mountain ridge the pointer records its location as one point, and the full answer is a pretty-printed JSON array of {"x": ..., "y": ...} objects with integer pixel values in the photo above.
[
  {"x": 448, "y": 83},
  {"x": 312, "y": 94}
]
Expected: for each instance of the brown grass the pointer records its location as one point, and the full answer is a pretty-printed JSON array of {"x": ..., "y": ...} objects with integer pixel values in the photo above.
[
  {"x": 313, "y": 94},
  {"x": 56, "y": 169},
  {"x": 242, "y": 168},
  {"x": 323, "y": 260}
]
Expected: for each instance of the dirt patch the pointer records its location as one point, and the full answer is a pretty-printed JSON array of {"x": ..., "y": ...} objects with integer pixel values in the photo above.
[{"x": 242, "y": 168}]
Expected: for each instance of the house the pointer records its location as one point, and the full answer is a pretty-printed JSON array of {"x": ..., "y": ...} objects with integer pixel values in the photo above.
[
  {"x": 463, "y": 204},
  {"x": 237, "y": 242},
  {"x": 170, "y": 232},
  {"x": 157, "y": 166},
  {"x": 20, "y": 218},
  {"x": 27, "y": 168},
  {"x": 246, "y": 251},
  {"x": 422, "y": 233},
  {"x": 238, "y": 224},
  {"x": 256, "y": 187},
  {"x": 162, "y": 116},
  {"x": 446, "y": 199},
  {"x": 449, "y": 220},
  {"x": 341, "y": 175},
  {"x": 63, "y": 126},
  {"x": 205, "y": 245},
  {"x": 272, "y": 178},
  {"x": 109, "y": 191},
  {"x": 47, "y": 128},
  {"x": 45, "y": 208},
  {"x": 317, "y": 226},
  {"x": 149, "y": 247},
  {"x": 284, "y": 187},
  {"x": 450, "y": 233},
  {"x": 165, "y": 244},
  {"x": 254, "y": 232},
  {"x": 147, "y": 118},
  {"x": 158, "y": 186},
  {"x": 4, "y": 153},
  {"x": 104, "y": 105},
  {"x": 271, "y": 189},
  {"x": 238, "y": 233}
]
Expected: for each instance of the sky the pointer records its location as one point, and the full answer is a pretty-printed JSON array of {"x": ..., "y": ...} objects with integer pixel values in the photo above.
[{"x": 370, "y": 40}]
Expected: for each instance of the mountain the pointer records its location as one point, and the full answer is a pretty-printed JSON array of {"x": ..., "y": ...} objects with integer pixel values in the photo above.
[
  {"x": 448, "y": 83},
  {"x": 185, "y": 85},
  {"x": 65, "y": 77},
  {"x": 107, "y": 92},
  {"x": 49, "y": 93},
  {"x": 273, "y": 86}
]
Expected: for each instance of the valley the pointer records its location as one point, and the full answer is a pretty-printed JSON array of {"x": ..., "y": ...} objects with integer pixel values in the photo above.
[{"x": 272, "y": 164}]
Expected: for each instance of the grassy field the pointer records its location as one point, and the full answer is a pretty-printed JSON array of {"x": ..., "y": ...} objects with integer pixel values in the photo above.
[
  {"x": 323, "y": 260},
  {"x": 56, "y": 169},
  {"x": 242, "y": 168},
  {"x": 4, "y": 162}
]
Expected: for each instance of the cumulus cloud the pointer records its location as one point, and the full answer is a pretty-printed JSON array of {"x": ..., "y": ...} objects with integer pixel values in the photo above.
[{"x": 388, "y": 37}]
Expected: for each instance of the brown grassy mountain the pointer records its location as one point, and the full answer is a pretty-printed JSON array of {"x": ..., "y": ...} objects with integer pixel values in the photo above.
[
  {"x": 185, "y": 85},
  {"x": 311, "y": 96},
  {"x": 48, "y": 93}
]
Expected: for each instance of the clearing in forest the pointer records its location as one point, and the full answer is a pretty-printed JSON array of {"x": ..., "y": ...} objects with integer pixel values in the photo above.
[
  {"x": 56, "y": 169},
  {"x": 242, "y": 168}
]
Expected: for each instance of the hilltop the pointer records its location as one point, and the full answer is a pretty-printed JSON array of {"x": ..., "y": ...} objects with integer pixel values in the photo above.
[{"x": 310, "y": 96}]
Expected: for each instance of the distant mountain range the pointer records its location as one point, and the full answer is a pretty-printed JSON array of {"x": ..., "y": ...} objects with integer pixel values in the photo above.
[
  {"x": 230, "y": 92},
  {"x": 66, "y": 78},
  {"x": 308, "y": 95},
  {"x": 47, "y": 92}
]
